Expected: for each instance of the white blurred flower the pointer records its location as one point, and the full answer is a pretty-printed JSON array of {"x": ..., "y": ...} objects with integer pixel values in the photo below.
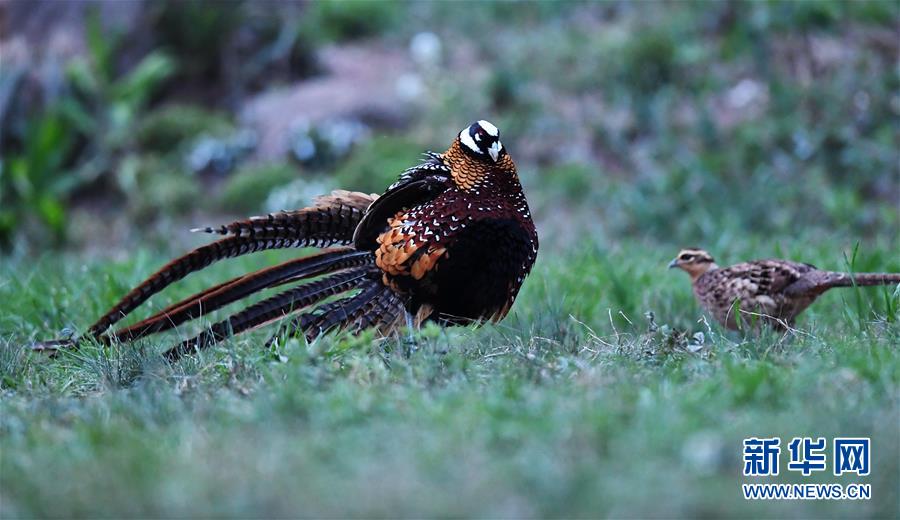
[
  {"x": 746, "y": 93},
  {"x": 297, "y": 194},
  {"x": 425, "y": 48},
  {"x": 410, "y": 87}
]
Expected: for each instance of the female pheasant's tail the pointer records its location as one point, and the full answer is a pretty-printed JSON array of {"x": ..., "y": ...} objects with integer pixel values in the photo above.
[
  {"x": 330, "y": 221},
  {"x": 865, "y": 279},
  {"x": 818, "y": 282},
  {"x": 373, "y": 304}
]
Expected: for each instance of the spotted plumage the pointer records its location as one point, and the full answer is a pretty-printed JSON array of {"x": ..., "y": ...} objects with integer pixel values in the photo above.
[
  {"x": 465, "y": 253},
  {"x": 451, "y": 241},
  {"x": 771, "y": 291}
]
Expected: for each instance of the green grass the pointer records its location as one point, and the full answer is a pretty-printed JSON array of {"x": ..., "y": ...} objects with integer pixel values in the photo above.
[
  {"x": 568, "y": 408},
  {"x": 623, "y": 121}
]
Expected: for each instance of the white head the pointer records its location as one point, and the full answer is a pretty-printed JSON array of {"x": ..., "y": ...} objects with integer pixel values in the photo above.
[{"x": 482, "y": 140}]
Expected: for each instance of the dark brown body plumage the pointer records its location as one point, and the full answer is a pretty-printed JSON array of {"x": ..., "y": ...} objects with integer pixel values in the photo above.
[
  {"x": 451, "y": 241},
  {"x": 770, "y": 291},
  {"x": 463, "y": 255}
]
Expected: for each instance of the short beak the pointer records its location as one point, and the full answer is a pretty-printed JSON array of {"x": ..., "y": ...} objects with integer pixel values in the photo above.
[
  {"x": 494, "y": 150},
  {"x": 673, "y": 263}
]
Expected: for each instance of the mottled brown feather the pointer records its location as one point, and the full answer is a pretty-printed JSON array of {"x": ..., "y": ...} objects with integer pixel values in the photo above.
[{"x": 769, "y": 291}]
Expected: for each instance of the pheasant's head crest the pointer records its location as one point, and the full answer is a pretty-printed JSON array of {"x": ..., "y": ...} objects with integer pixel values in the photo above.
[
  {"x": 481, "y": 140},
  {"x": 694, "y": 261}
]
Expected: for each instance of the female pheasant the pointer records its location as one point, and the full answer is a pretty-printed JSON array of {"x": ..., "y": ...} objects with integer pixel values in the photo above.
[
  {"x": 451, "y": 241},
  {"x": 774, "y": 291}
]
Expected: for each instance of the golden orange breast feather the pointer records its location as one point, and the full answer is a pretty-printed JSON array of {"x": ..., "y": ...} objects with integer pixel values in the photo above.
[
  {"x": 399, "y": 244},
  {"x": 469, "y": 175},
  {"x": 427, "y": 262},
  {"x": 465, "y": 178}
]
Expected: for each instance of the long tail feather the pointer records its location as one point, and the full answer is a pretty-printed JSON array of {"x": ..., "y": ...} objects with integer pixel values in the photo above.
[
  {"x": 238, "y": 288},
  {"x": 383, "y": 313},
  {"x": 53, "y": 346},
  {"x": 820, "y": 281},
  {"x": 332, "y": 219},
  {"x": 865, "y": 279},
  {"x": 273, "y": 308},
  {"x": 184, "y": 265},
  {"x": 338, "y": 314}
]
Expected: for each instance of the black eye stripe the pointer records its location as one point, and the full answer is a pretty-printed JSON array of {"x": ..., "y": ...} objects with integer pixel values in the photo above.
[{"x": 479, "y": 142}]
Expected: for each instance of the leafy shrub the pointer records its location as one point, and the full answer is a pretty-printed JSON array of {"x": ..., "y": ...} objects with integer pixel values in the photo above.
[
  {"x": 155, "y": 184},
  {"x": 79, "y": 139},
  {"x": 341, "y": 20},
  {"x": 197, "y": 31},
  {"x": 167, "y": 127},
  {"x": 235, "y": 48},
  {"x": 107, "y": 105},
  {"x": 33, "y": 181},
  {"x": 247, "y": 189},
  {"x": 648, "y": 60}
]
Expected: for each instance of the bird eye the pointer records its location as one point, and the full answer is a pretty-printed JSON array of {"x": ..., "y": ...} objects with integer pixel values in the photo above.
[
  {"x": 685, "y": 256},
  {"x": 482, "y": 141}
]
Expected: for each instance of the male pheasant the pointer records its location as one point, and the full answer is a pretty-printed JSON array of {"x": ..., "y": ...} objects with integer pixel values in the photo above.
[
  {"x": 451, "y": 241},
  {"x": 774, "y": 292}
]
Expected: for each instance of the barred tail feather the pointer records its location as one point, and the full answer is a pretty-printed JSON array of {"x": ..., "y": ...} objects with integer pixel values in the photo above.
[
  {"x": 383, "y": 313},
  {"x": 319, "y": 227},
  {"x": 865, "y": 279},
  {"x": 221, "y": 295},
  {"x": 818, "y": 282},
  {"x": 338, "y": 314},
  {"x": 331, "y": 220},
  {"x": 275, "y": 308},
  {"x": 184, "y": 265},
  {"x": 381, "y": 309}
]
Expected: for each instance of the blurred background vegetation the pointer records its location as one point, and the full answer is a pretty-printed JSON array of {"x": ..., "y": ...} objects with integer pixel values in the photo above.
[{"x": 675, "y": 123}]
